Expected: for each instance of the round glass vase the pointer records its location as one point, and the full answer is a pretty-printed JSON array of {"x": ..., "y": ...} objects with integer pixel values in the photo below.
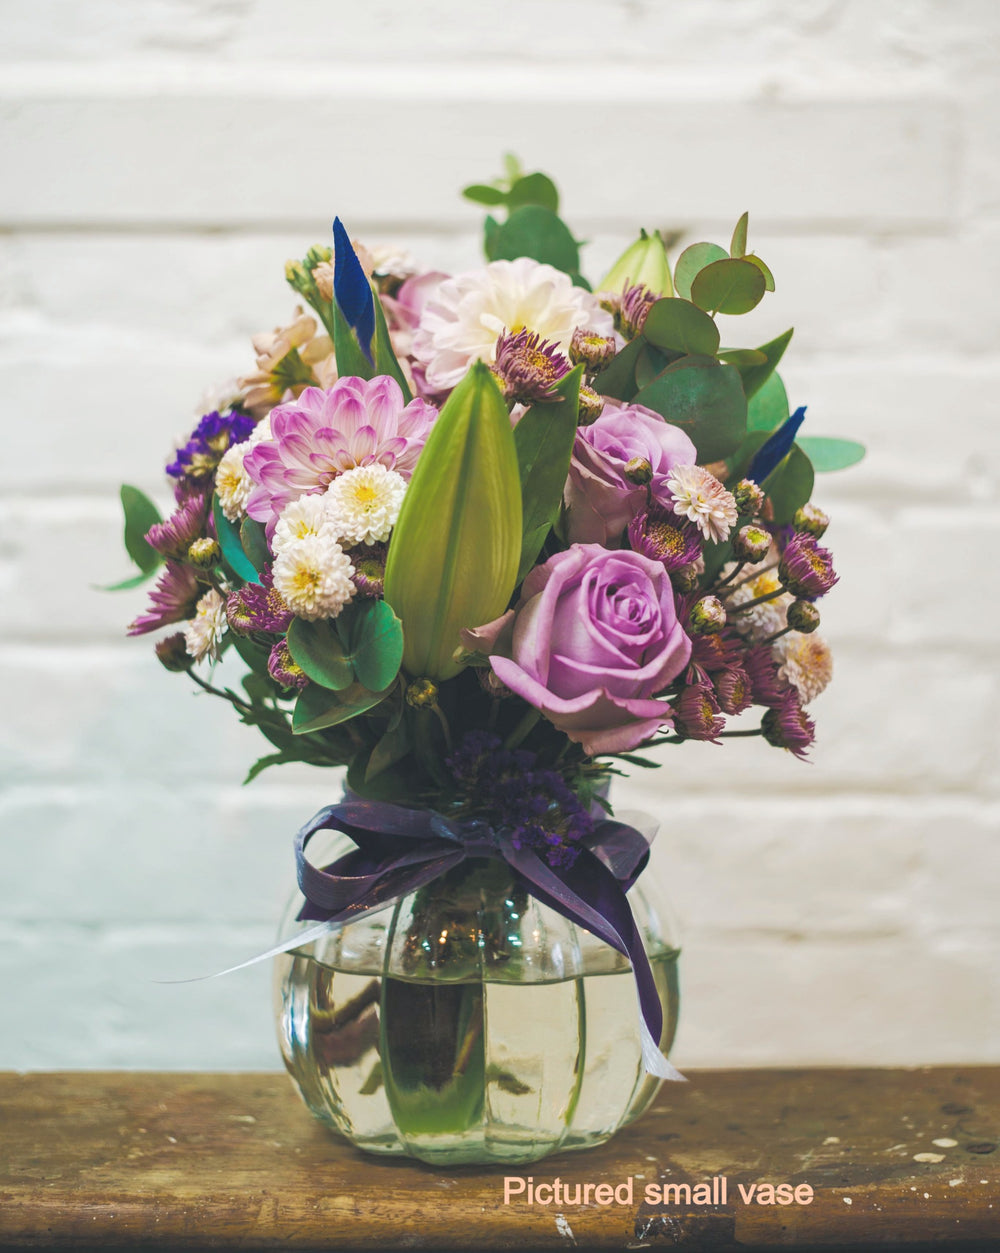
[{"x": 468, "y": 1023}]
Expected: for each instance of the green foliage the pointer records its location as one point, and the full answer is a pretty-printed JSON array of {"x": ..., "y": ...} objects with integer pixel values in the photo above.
[
  {"x": 728, "y": 286},
  {"x": 385, "y": 354},
  {"x": 140, "y": 514},
  {"x": 254, "y": 543},
  {"x": 255, "y": 655},
  {"x": 232, "y": 546},
  {"x": 705, "y": 399},
  {"x": 536, "y": 232},
  {"x": 544, "y": 441},
  {"x": 738, "y": 246},
  {"x": 536, "y": 189},
  {"x": 768, "y": 407},
  {"x": 618, "y": 379},
  {"x": 691, "y": 262},
  {"x": 318, "y": 708},
  {"x": 644, "y": 263},
  {"x": 789, "y": 485},
  {"x": 677, "y": 325},
  {"x": 768, "y": 276},
  {"x": 755, "y": 376},
  {"x": 827, "y": 455},
  {"x": 351, "y": 360},
  {"x": 317, "y": 648},
  {"x": 363, "y": 645}
]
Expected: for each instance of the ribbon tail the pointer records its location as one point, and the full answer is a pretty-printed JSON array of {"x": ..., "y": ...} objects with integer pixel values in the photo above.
[{"x": 296, "y": 941}]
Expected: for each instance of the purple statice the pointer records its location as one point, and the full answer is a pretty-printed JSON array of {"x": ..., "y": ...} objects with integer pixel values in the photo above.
[
  {"x": 174, "y": 536},
  {"x": 659, "y": 534},
  {"x": 214, "y": 435},
  {"x": 174, "y": 599},
  {"x": 536, "y": 808},
  {"x": 283, "y": 668},
  {"x": 696, "y": 713},
  {"x": 258, "y": 607},
  {"x": 528, "y": 366},
  {"x": 806, "y": 569},
  {"x": 787, "y": 725}
]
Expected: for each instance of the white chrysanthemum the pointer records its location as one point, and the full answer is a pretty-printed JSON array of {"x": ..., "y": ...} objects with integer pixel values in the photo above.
[
  {"x": 765, "y": 619},
  {"x": 701, "y": 498},
  {"x": 805, "y": 661},
  {"x": 363, "y": 504},
  {"x": 462, "y": 320},
  {"x": 313, "y": 577},
  {"x": 203, "y": 633},
  {"x": 305, "y": 516},
  {"x": 232, "y": 483}
]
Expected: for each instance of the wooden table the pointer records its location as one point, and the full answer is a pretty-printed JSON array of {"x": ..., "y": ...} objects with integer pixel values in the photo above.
[{"x": 906, "y": 1158}]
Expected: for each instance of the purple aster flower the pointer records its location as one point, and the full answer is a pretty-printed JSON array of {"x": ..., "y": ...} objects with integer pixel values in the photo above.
[
  {"x": 283, "y": 668},
  {"x": 528, "y": 366},
  {"x": 173, "y": 537},
  {"x": 733, "y": 690},
  {"x": 357, "y": 422},
  {"x": 258, "y": 607},
  {"x": 806, "y": 569},
  {"x": 787, "y": 725},
  {"x": 717, "y": 652},
  {"x": 214, "y": 434},
  {"x": 659, "y": 534},
  {"x": 174, "y": 599},
  {"x": 636, "y": 302},
  {"x": 696, "y": 713},
  {"x": 766, "y": 684},
  {"x": 368, "y": 561}
]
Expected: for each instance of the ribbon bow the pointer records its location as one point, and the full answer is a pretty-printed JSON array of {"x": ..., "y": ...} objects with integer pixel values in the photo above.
[{"x": 399, "y": 850}]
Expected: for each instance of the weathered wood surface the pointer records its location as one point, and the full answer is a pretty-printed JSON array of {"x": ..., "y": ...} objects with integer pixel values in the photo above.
[{"x": 181, "y": 1161}]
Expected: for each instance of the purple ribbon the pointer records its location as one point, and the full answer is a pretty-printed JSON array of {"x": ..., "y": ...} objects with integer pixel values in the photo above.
[{"x": 399, "y": 850}]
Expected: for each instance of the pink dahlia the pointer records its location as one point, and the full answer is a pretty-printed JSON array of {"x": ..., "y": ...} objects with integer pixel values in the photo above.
[{"x": 357, "y": 422}]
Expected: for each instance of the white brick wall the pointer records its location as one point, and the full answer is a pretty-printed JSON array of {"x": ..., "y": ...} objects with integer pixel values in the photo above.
[{"x": 160, "y": 163}]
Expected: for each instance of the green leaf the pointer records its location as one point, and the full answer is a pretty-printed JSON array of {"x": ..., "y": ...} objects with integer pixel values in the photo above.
[
  {"x": 372, "y": 636},
  {"x": 140, "y": 515},
  {"x": 350, "y": 358},
  {"x": 254, "y": 542},
  {"x": 232, "y": 546},
  {"x": 651, "y": 363},
  {"x": 482, "y": 193},
  {"x": 768, "y": 276},
  {"x": 728, "y": 286},
  {"x": 536, "y": 232},
  {"x": 827, "y": 455},
  {"x": 789, "y": 485},
  {"x": 272, "y": 759},
  {"x": 534, "y": 189},
  {"x": 742, "y": 356},
  {"x": 618, "y": 379},
  {"x": 317, "y": 647},
  {"x": 385, "y": 354},
  {"x": 317, "y": 708},
  {"x": 544, "y": 441},
  {"x": 691, "y": 261},
  {"x": 738, "y": 247},
  {"x": 768, "y": 408},
  {"x": 491, "y": 237},
  {"x": 755, "y": 376},
  {"x": 125, "y": 585},
  {"x": 255, "y": 655},
  {"x": 705, "y": 399},
  {"x": 391, "y": 748},
  {"x": 677, "y": 325}
]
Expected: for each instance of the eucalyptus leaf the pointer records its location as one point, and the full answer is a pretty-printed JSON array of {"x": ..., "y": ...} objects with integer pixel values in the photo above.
[
  {"x": 373, "y": 640},
  {"x": 482, "y": 193},
  {"x": 232, "y": 546},
  {"x": 768, "y": 276},
  {"x": 254, "y": 542},
  {"x": 768, "y": 407},
  {"x": 677, "y": 325},
  {"x": 742, "y": 356},
  {"x": 828, "y": 455},
  {"x": 789, "y": 486},
  {"x": 617, "y": 380},
  {"x": 317, "y": 708},
  {"x": 534, "y": 189},
  {"x": 491, "y": 237},
  {"x": 705, "y": 399},
  {"x": 689, "y": 264},
  {"x": 536, "y": 232},
  {"x": 738, "y": 247},
  {"x": 728, "y": 286},
  {"x": 255, "y": 655},
  {"x": 140, "y": 515},
  {"x": 318, "y": 649},
  {"x": 651, "y": 363},
  {"x": 755, "y": 376},
  {"x": 126, "y": 585}
]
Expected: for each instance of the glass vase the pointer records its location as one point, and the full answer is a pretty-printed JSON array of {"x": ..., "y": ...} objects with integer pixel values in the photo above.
[{"x": 467, "y": 1022}]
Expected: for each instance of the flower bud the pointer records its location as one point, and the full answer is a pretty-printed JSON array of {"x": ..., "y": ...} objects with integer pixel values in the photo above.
[
  {"x": 422, "y": 694},
  {"x": 811, "y": 521},
  {"x": 802, "y": 616},
  {"x": 173, "y": 654},
  {"x": 643, "y": 263},
  {"x": 638, "y": 471},
  {"x": 204, "y": 553},
  {"x": 296, "y": 275},
  {"x": 752, "y": 544},
  {"x": 591, "y": 406},
  {"x": 454, "y": 554},
  {"x": 685, "y": 578},
  {"x": 708, "y": 616},
  {"x": 806, "y": 569},
  {"x": 748, "y": 496},
  {"x": 593, "y": 351}
]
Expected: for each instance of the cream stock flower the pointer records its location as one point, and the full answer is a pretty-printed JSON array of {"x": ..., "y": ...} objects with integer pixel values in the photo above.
[{"x": 363, "y": 504}]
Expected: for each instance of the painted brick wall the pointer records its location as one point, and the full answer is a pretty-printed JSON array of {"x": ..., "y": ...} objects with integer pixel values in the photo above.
[{"x": 160, "y": 163}]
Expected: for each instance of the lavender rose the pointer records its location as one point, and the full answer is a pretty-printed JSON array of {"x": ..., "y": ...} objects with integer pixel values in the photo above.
[
  {"x": 600, "y": 500},
  {"x": 594, "y": 638}
]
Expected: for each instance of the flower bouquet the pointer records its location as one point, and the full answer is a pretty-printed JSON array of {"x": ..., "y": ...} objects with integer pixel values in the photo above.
[{"x": 484, "y": 540}]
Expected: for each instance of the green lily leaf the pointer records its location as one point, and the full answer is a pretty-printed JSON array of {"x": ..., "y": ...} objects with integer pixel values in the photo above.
[
  {"x": 738, "y": 247},
  {"x": 140, "y": 515},
  {"x": 350, "y": 359},
  {"x": 254, "y": 542},
  {"x": 691, "y": 262},
  {"x": 705, "y": 399},
  {"x": 385, "y": 354},
  {"x": 232, "y": 546},
  {"x": 755, "y": 376},
  {"x": 789, "y": 485},
  {"x": 544, "y": 441},
  {"x": 317, "y": 708},
  {"x": 536, "y": 232},
  {"x": 679, "y": 326},
  {"x": 318, "y": 649},
  {"x": 728, "y": 286},
  {"x": 827, "y": 455},
  {"x": 768, "y": 407}
]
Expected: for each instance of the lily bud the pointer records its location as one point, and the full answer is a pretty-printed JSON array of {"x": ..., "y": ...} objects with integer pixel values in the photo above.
[
  {"x": 454, "y": 553},
  {"x": 644, "y": 264}
]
